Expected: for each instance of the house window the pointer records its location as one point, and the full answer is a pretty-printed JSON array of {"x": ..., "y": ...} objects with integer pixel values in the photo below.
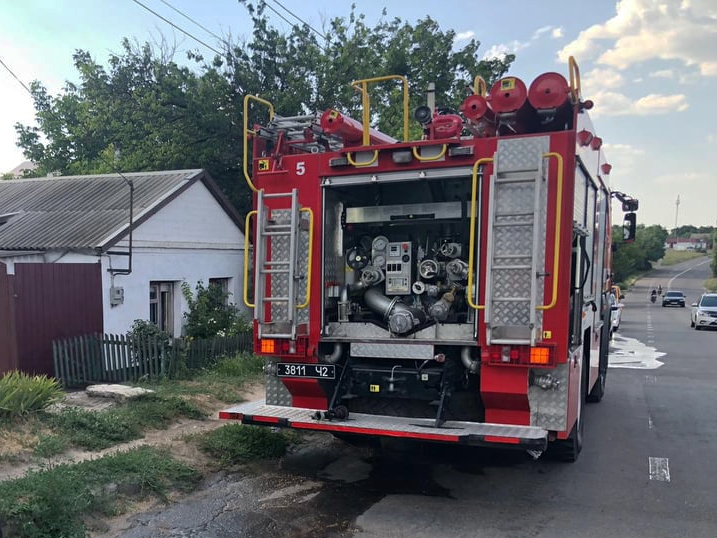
[
  {"x": 223, "y": 284},
  {"x": 161, "y": 305}
]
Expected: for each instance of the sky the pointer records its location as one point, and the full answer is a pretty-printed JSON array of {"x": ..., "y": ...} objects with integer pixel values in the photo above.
[{"x": 650, "y": 67}]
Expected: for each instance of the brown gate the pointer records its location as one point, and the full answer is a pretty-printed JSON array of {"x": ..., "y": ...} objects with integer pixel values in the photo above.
[
  {"x": 53, "y": 301},
  {"x": 8, "y": 344}
]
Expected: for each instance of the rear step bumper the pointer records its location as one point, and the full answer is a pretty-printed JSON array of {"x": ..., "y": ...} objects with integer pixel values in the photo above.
[{"x": 469, "y": 433}]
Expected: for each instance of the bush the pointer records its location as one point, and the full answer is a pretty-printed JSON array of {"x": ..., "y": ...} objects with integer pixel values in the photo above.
[
  {"x": 21, "y": 393},
  {"x": 209, "y": 313}
]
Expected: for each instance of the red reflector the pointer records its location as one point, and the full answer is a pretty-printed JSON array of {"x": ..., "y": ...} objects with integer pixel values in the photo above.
[
  {"x": 270, "y": 420},
  {"x": 505, "y": 440},
  {"x": 228, "y": 415}
]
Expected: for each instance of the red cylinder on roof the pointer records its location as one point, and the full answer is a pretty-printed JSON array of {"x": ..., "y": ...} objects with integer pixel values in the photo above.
[
  {"x": 350, "y": 130},
  {"x": 479, "y": 116},
  {"x": 508, "y": 94},
  {"x": 549, "y": 91}
]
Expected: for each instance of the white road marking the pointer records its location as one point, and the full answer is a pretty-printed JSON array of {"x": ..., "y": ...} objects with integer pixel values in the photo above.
[
  {"x": 649, "y": 422},
  {"x": 631, "y": 353},
  {"x": 669, "y": 283},
  {"x": 659, "y": 469}
]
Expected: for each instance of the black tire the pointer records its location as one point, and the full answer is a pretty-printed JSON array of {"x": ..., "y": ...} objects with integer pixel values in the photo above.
[
  {"x": 697, "y": 327},
  {"x": 569, "y": 449},
  {"x": 692, "y": 323},
  {"x": 598, "y": 390}
]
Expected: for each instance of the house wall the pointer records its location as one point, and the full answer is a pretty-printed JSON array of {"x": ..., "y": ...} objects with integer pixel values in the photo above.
[{"x": 190, "y": 239}]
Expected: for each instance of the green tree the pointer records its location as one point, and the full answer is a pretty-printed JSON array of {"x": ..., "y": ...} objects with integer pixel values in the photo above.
[
  {"x": 713, "y": 265},
  {"x": 144, "y": 111},
  {"x": 632, "y": 258}
]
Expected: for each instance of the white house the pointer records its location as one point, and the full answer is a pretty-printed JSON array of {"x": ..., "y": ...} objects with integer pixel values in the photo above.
[{"x": 183, "y": 230}]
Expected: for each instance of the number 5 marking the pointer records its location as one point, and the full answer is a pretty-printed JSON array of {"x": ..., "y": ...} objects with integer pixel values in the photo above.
[{"x": 300, "y": 168}]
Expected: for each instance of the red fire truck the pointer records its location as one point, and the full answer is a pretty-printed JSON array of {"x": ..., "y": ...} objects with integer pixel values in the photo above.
[{"x": 452, "y": 288}]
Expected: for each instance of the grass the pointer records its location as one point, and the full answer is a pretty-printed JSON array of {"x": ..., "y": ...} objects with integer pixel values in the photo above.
[
  {"x": 222, "y": 382},
  {"x": 711, "y": 284},
  {"x": 235, "y": 443},
  {"x": 673, "y": 257},
  {"x": 94, "y": 430},
  {"x": 55, "y": 502}
]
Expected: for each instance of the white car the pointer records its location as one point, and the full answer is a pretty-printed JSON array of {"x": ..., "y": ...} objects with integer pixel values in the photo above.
[{"x": 704, "y": 313}]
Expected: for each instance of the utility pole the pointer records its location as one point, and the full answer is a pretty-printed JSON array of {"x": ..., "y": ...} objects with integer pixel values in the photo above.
[{"x": 677, "y": 210}]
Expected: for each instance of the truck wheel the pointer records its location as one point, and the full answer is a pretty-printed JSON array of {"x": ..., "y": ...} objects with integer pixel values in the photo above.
[{"x": 569, "y": 449}]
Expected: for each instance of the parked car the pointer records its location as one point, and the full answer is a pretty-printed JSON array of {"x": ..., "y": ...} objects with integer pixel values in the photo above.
[
  {"x": 673, "y": 298},
  {"x": 704, "y": 312}
]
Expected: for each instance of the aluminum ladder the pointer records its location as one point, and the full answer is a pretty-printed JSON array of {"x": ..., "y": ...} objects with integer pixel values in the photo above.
[{"x": 280, "y": 272}]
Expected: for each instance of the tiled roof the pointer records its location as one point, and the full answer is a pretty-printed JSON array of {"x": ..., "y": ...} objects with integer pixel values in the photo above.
[{"x": 79, "y": 212}]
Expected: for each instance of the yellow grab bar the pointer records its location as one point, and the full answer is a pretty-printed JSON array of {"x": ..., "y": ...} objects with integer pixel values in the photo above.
[
  {"x": 309, "y": 265},
  {"x": 246, "y": 259},
  {"x": 479, "y": 86},
  {"x": 434, "y": 158},
  {"x": 556, "y": 243},
  {"x": 471, "y": 239},
  {"x": 574, "y": 79},
  {"x": 248, "y": 132},
  {"x": 368, "y": 163},
  {"x": 311, "y": 250},
  {"x": 361, "y": 86}
]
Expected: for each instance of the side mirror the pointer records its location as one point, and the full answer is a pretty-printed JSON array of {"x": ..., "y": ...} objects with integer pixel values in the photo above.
[{"x": 629, "y": 228}]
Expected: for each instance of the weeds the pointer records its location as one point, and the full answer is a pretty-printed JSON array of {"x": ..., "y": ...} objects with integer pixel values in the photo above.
[
  {"x": 235, "y": 443},
  {"x": 51, "y": 503},
  {"x": 21, "y": 393},
  {"x": 94, "y": 430}
]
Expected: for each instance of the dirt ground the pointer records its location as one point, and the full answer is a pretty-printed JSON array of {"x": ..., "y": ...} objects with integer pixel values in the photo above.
[{"x": 17, "y": 457}]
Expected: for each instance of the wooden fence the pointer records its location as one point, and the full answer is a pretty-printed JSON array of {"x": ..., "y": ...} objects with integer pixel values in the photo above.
[{"x": 118, "y": 358}]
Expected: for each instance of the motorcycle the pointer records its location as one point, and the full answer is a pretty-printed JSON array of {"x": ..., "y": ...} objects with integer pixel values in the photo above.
[{"x": 653, "y": 297}]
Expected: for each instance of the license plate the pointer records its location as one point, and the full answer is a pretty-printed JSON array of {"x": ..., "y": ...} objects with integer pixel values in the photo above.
[{"x": 312, "y": 371}]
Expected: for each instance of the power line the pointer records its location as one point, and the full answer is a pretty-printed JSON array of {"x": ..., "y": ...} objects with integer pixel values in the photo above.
[
  {"x": 177, "y": 27},
  {"x": 190, "y": 19},
  {"x": 16, "y": 77},
  {"x": 282, "y": 6}
]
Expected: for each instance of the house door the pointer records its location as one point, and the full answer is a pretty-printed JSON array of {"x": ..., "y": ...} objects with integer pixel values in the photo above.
[{"x": 161, "y": 305}]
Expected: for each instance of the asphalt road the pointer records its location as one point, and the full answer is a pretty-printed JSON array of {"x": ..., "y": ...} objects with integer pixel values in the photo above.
[{"x": 648, "y": 468}]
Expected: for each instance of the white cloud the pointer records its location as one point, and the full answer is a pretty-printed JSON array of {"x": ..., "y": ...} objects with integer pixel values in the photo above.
[
  {"x": 711, "y": 139},
  {"x": 500, "y": 50},
  {"x": 557, "y": 32},
  {"x": 541, "y": 31},
  {"x": 617, "y": 104},
  {"x": 663, "y": 73},
  {"x": 600, "y": 79},
  {"x": 644, "y": 30},
  {"x": 465, "y": 36}
]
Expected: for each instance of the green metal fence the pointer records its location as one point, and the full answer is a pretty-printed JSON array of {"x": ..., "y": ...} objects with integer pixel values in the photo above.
[{"x": 119, "y": 358}]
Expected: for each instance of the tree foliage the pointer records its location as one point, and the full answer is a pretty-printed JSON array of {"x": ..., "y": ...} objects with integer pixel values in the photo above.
[
  {"x": 209, "y": 313},
  {"x": 632, "y": 258},
  {"x": 145, "y": 111}
]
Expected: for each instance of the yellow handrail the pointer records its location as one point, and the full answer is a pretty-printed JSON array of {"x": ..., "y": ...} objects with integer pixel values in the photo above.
[
  {"x": 309, "y": 266},
  {"x": 479, "y": 86},
  {"x": 248, "y": 131},
  {"x": 362, "y": 87},
  {"x": 574, "y": 79},
  {"x": 556, "y": 243},
  {"x": 471, "y": 239},
  {"x": 434, "y": 158},
  {"x": 368, "y": 163},
  {"x": 246, "y": 259}
]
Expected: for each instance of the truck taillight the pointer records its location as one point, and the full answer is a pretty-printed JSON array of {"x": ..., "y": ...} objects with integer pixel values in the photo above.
[
  {"x": 522, "y": 355},
  {"x": 270, "y": 346}
]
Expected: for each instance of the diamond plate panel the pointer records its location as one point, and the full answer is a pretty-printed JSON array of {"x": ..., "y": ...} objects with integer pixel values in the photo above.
[
  {"x": 549, "y": 408},
  {"x": 518, "y": 155},
  {"x": 394, "y": 351},
  {"x": 512, "y": 283},
  {"x": 510, "y": 313},
  {"x": 280, "y": 247},
  {"x": 301, "y": 417},
  {"x": 516, "y": 198},
  {"x": 276, "y": 392},
  {"x": 509, "y": 241}
]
